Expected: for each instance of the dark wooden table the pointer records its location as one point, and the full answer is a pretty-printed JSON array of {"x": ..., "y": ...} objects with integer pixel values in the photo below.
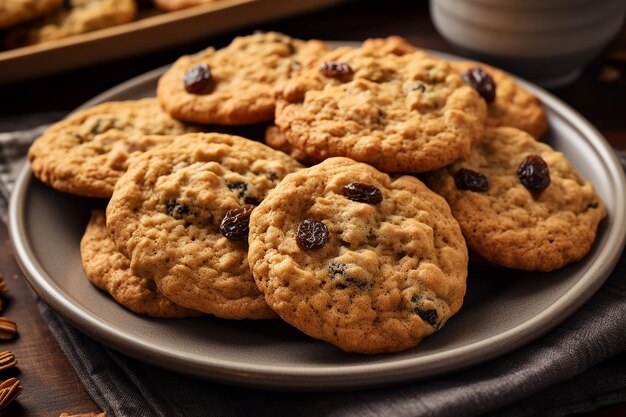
[{"x": 50, "y": 384}]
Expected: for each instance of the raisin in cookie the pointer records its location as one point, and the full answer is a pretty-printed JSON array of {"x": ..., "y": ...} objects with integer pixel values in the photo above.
[
  {"x": 86, "y": 153},
  {"x": 74, "y": 18},
  {"x": 110, "y": 271},
  {"x": 400, "y": 113},
  {"x": 16, "y": 11},
  {"x": 348, "y": 255},
  {"x": 520, "y": 203},
  {"x": 508, "y": 104},
  {"x": 234, "y": 85},
  {"x": 181, "y": 213}
]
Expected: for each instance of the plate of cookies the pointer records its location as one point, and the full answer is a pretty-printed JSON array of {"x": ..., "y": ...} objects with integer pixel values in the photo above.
[{"x": 297, "y": 214}]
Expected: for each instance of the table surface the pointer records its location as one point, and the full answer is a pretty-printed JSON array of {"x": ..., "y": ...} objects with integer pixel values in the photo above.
[{"x": 51, "y": 386}]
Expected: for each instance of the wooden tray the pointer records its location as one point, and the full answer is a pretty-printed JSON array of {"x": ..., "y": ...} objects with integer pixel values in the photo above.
[{"x": 145, "y": 35}]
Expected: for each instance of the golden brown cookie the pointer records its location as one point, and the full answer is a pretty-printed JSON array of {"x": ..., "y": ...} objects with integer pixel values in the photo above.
[
  {"x": 234, "y": 85},
  {"x": 400, "y": 113},
  {"x": 76, "y": 17},
  {"x": 110, "y": 271},
  {"x": 396, "y": 45},
  {"x": 13, "y": 12},
  {"x": 274, "y": 138},
  {"x": 520, "y": 203},
  {"x": 512, "y": 105},
  {"x": 349, "y": 255},
  {"x": 180, "y": 214},
  {"x": 86, "y": 153}
]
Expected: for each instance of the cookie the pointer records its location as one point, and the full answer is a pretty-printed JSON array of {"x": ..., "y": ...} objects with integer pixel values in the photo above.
[
  {"x": 274, "y": 138},
  {"x": 171, "y": 5},
  {"x": 349, "y": 255},
  {"x": 180, "y": 214},
  {"x": 13, "y": 12},
  {"x": 234, "y": 85},
  {"x": 76, "y": 17},
  {"x": 395, "y": 45},
  {"x": 511, "y": 105},
  {"x": 520, "y": 203},
  {"x": 86, "y": 153},
  {"x": 110, "y": 271},
  {"x": 400, "y": 113}
]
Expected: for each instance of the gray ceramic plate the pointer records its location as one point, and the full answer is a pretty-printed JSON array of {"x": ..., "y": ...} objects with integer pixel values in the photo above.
[{"x": 503, "y": 310}]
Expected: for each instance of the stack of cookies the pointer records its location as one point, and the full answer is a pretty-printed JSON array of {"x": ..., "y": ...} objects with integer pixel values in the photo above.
[{"x": 328, "y": 228}]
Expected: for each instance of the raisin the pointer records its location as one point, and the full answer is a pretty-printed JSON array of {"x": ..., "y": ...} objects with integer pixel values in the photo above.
[
  {"x": 235, "y": 224},
  {"x": 533, "y": 173},
  {"x": 363, "y": 193},
  {"x": 482, "y": 82},
  {"x": 197, "y": 79},
  {"x": 251, "y": 200},
  {"x": 335, "y": 69},
  {"x": 177, "y": 211},
  {"x": 467, "y": 179},
  {"x": 592, "y": 205},
  {"x": 337, "y": 271},
  {"x": 336, "y": 268},
  {"x": 414, "y": 86},
  {"x": 361, "y": 285},
  {"x": 312, "y": 234},
  {"x": 272, "y": 176},
  {"x": 429, "y": 316},
  {"x": 239, "y": 187}
]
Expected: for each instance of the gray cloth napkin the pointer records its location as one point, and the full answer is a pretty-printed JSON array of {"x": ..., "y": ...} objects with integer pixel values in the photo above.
[{"x": 577, "y": 367}]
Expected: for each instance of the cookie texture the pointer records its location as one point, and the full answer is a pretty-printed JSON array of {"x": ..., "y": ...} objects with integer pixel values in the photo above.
[
  {"x": 513, "y": 106},
  {"x": 274, "y": 138},
  {"x": 16, "y": 11},
  {"x": 511, "y": 225},
  {"x": 388, "y": 273},
  {"x": 86, "y": 153},
  {"x": 395, "y": 45},
  {"x": 74, "y": 18},
  {"x": 400, "y": 113},
  {"x": 243, "y": 77},
  {"x": 166, "y": 214},
  {"x": 110, "y": 271}
]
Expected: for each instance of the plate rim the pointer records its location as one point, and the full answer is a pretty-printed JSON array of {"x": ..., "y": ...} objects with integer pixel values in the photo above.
[{"x": 335, "y": 376}]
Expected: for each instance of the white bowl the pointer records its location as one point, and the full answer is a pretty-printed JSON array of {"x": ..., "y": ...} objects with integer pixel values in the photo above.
[{"x": 547, "y": 41}]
